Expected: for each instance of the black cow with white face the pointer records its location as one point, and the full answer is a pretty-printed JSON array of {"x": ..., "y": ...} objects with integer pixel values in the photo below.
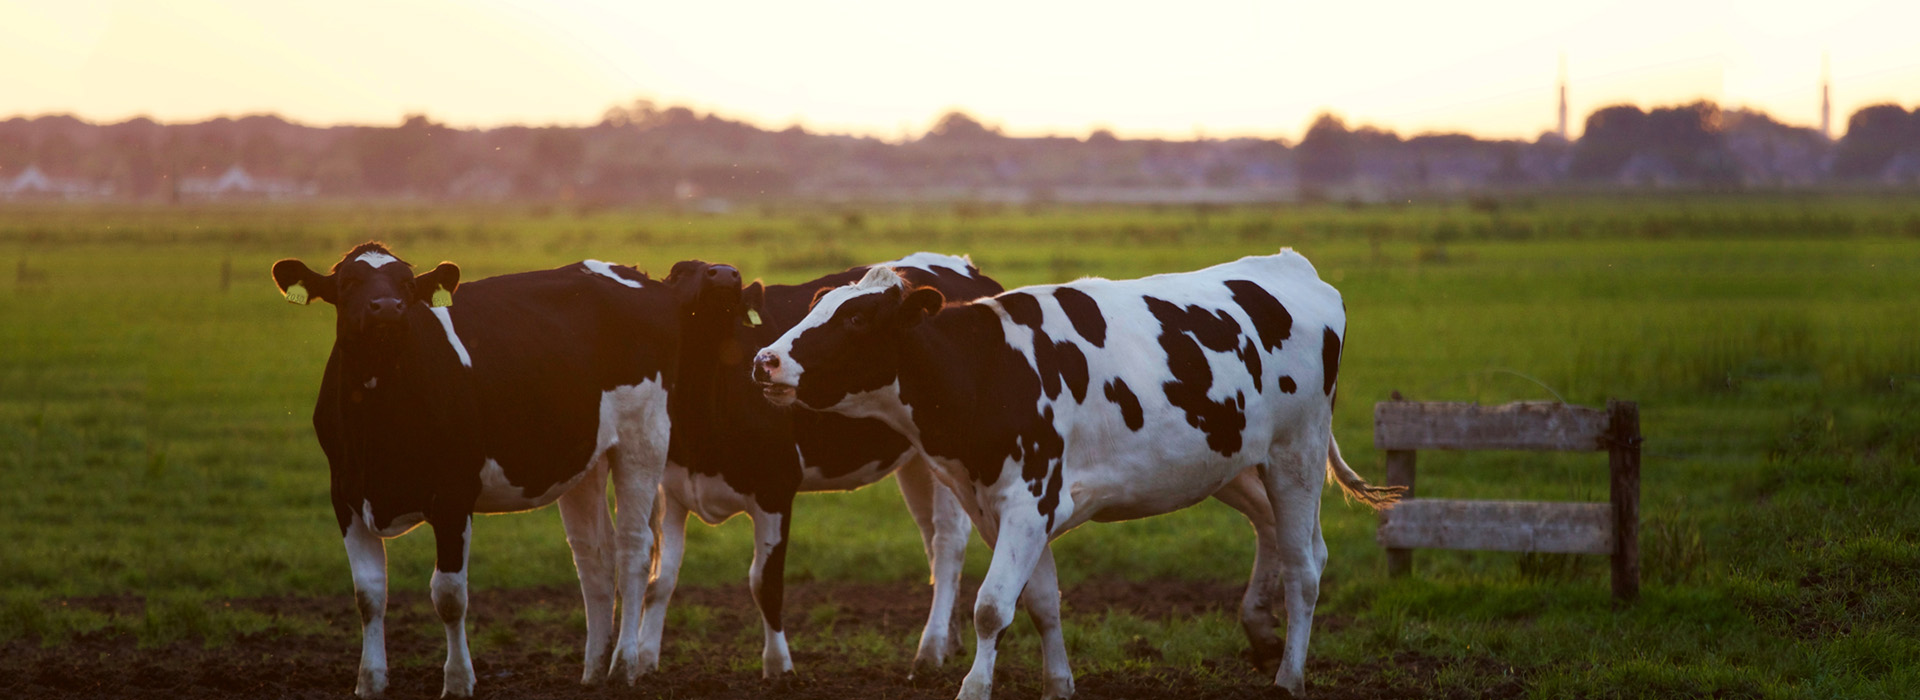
[
  {"x": 534, "y": 388},
  {"x": 734, "y": 453},
  {"x": 1048, "y": 407}
]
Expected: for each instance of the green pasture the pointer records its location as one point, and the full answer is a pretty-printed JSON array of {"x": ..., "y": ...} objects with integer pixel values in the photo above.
[{"x": 155, "y": 394}]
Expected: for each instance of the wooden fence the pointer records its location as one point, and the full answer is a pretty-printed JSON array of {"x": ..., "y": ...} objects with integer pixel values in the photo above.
[{"x": 1613, "y": 528}]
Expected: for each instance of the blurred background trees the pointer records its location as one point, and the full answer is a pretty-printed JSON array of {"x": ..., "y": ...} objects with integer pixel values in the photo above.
[{"x": 643, "y": 152}]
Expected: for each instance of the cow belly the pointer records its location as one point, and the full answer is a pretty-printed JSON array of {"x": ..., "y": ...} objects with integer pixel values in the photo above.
[
  {"x": 618, "y": 408},
  {"x": 1118, "y": 487},
  {"x": 706, "y": 496},
  {"x": 499, "y": 495},
  {"x": 814, "y": 478}
]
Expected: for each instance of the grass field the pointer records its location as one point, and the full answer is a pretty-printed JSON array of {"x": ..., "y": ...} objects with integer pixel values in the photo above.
[{"x": 155, "y": 394}]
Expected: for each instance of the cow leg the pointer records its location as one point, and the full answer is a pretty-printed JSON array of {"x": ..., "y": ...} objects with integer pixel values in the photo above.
[
  {"x": 583, "y": 510},
  {"x": 639, "y": 463},
  {"x": 1041, "y": 598},
  {"x": 1020, "y": 539},
  {"x": 672, "y": 533},
  {"x": 1248, "y": 495},
  {"x": 944, "y": 528},
  {"x": 367, "y": 554},
  {"x": 768, "y": 577},
  {"x": 1293, "y": 477},
  {"x": 451, "y": 536}
]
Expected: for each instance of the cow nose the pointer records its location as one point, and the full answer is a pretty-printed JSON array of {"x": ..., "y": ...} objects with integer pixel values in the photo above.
[
  {"x": 763, "y": 366},
  {"x": 385, "y": 308},
  {"x": 723, "y": 275}
]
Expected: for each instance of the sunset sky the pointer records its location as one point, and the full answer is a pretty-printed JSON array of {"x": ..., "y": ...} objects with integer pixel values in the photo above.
[{"x": 889, "y": 67}]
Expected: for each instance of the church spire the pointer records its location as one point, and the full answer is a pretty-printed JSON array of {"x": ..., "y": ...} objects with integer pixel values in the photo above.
[
  {"x": 1826, "y": 97},
  {"x": 1563, "y": 96}
]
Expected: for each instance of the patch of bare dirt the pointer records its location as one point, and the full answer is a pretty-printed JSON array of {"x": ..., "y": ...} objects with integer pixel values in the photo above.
[{"x": 518, "y": 658}]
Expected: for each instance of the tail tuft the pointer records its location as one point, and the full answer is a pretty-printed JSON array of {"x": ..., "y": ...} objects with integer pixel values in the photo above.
[{"x": 1356, "y": 488}]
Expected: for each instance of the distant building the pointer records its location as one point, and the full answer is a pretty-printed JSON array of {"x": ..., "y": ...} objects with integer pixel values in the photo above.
[
  {"x": 237, "y": 183},
  {"x": 33, "y": 183}
]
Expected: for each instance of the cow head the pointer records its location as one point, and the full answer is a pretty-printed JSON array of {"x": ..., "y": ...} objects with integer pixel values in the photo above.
[
  {"x": 710, "y": 293},
  {"x": 370, "y": 289},
  {"x": 848, "y": 342}
]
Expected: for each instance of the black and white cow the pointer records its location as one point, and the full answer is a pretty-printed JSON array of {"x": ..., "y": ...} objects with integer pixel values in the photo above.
[
  {"x": 734, "y": 453},
  {"x": 536, "y": 387},
  {"x": 1099, "y": 400}
]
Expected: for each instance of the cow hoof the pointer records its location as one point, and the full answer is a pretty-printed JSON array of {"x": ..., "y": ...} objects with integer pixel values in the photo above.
[
  {"x": 782, "y": 681},
  {"x": 373, "y": 684},
  {"x": 629, "y": 669},
  {"x": 971, "y": 689},
  {"x": 1058, "y": 689},
  {"x": 459, "y": 683},
  {"x": 1265, "y": 654},
  {"x": 927, "y": 661}
]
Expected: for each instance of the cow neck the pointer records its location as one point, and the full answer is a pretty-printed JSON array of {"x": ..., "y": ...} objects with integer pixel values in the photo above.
[
  {"x": 401, "y": 374},
  {"x": 704, "y": 348},
  {"x": 944, "y": 363}
]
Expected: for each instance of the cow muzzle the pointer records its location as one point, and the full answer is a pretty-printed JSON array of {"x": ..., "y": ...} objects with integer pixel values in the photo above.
[
  {"x": 386, "y": 309},
  {"x": 776, "y": 382}
]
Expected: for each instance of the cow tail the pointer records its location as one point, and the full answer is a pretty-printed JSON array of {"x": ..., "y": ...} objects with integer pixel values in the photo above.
[{"x": 1356, "y": 488}]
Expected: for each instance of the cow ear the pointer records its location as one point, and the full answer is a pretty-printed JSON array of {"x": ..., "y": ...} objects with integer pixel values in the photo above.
[
  {"x": 302, "y": 285},
  {"x": 436, "y": 288},
  {"x": 919, "y": 304},
  {"x": 754, "y": 298},
  {"x": 815, "y": 301}
]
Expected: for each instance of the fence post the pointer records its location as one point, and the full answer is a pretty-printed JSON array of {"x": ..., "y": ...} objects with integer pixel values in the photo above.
[
  {"x": 1400, "y": 473},
  {"x": 1623, "y": 461}
]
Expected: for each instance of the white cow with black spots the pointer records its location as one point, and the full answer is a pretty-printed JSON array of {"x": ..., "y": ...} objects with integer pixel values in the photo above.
[{"x": 1047, "y": 407}]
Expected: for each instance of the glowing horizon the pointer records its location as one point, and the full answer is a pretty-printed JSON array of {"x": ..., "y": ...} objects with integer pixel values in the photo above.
[{"x": 1216, "y": 68}]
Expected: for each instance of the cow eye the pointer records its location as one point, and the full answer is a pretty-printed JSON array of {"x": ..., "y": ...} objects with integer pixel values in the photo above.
[{"x": 857, "y": 323}]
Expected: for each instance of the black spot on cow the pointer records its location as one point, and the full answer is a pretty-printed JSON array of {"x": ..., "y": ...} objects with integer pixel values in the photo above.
[
  {"x": 1022, "y": 308},
  {"x": 1288, "y": 385},
  {"x": 1073, "y": 369},
  {"x": 1270, "y": 319},
  {"x": 1250, "y": 356},
  {"x": 1121, "y": 395},
  {"x": 1182, "y": 334},
  {"x": 1330, "y": 356},
  {"x": 1050, "y": 499},
  {"x": 1084, "y": 313},
  {"x": 1058, "y": 362},
  {"x": 1041, "y": 450}
]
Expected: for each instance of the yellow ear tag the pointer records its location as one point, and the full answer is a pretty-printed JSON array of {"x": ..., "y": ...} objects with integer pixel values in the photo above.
[
  {"x": 297, "y": 294},
  {"x": 753, "y": 318},
  {"x": 442, "y": 297}
]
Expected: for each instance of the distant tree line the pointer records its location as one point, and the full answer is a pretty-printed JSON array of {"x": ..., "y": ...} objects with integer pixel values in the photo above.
[{"x": 644, "y": 152}]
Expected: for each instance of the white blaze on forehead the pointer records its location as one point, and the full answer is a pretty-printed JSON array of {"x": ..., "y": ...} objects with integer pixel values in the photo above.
[
  {"x": 376, "y": 258},
  {"x": 879, "y": 278},
  {"x": 446, "y": 321},
  {"x": 928, "y": 261},
  {"x": 605, "y": 269}
]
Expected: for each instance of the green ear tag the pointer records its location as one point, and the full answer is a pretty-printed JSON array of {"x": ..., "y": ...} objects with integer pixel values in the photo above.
[
  {"x": 753, "y": 318},
  {"x": 442, "y": 297},
  {"x": 297, "y": 293}
]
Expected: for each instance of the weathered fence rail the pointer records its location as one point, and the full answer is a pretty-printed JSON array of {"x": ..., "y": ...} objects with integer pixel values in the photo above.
[{"x": 1613, "y": 528}]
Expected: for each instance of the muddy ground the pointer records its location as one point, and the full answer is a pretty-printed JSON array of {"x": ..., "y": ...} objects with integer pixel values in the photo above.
[{"x": 538, "y": 656}]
